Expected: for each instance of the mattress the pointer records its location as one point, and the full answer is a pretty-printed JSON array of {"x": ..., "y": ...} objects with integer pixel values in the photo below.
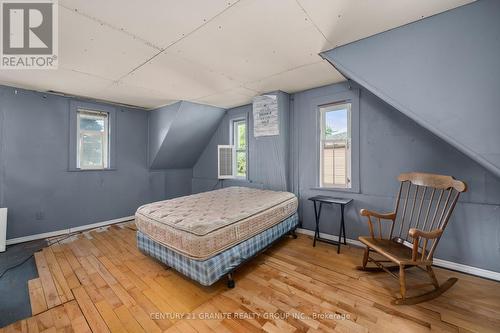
[
  {"x": 201, "y": 225},
  {"x": 208, "y": 271}
]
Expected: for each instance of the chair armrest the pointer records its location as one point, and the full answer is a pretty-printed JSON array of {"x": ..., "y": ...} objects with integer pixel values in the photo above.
[
  {"x": 387, "y": 216},
  {"x": 416, "y": 233},
  {"x": 369, "y": 214}
]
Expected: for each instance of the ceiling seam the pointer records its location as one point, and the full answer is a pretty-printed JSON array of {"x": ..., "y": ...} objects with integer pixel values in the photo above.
[
  {"x": 87, "y": 74},
  {"x": 116, "y": 83},
  {"x": 264, "y": 78},
  {"x": 312, "y": 22},
  {"x": 229, "y": 90},
  {"x": 211, "y": 70},
  {"x": 178, "y": 40},
  {"x": 243, "y": 85},
  {"x": 103, "y": 23},
  {"x": 279, "y": 73},
  {"x": 111, "y": 83}
]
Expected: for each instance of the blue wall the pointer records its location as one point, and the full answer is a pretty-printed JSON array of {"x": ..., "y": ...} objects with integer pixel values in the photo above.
[
  {"x": 179, "y": 132},
  {"x": 268, "y": 157},
  {"x": 40, "y": 192},
  {"x": 159, "y": 122},
  {"x": 442, "y": 71},
  {"x": 391, "y": 143}
]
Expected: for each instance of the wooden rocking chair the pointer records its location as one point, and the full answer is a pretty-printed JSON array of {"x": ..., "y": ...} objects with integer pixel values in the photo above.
[{"x": 427, "y": 202}]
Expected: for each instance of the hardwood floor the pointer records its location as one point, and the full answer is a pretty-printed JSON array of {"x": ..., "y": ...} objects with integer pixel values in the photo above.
[{"x": 100, "y": 282}]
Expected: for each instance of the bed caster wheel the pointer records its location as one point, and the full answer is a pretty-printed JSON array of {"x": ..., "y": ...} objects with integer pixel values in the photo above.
[{"x": 230, "y": 282}]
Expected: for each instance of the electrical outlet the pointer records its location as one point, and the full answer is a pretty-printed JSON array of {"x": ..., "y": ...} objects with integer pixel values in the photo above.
[{"x": 39, "y": 215}]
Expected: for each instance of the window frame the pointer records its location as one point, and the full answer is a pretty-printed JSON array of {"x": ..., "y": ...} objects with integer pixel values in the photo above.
[
  {"x": 323, "y": 110},
  {"x": 104, "y": 135},
  {"x": 232, "y": 131},
  {"x": 73, "y": 160},
  {"x": 350, "y": 95}
]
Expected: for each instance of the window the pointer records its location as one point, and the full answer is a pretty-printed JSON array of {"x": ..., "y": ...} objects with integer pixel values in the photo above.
[
  {"x": 335, "y": 145},
  {"x": 239, "y": 140},
  {"x": 92, "y": 139}
]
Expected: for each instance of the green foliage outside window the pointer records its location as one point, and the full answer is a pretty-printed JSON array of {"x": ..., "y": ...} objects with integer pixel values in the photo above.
[
  {"x": 241, "y": 147},
  {"x": 241, "y": 164},
  {"x": 242, "y": 136}
]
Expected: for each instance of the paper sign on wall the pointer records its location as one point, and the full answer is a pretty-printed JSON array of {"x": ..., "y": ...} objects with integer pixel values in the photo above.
[{"x": 265, "y": 116}]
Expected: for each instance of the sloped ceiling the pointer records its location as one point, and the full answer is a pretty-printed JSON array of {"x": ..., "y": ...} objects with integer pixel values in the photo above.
[
  {"x": 443, "y": 72},
  {"x": 175, "y": 140},
  {"x": 219, "y": 52}
]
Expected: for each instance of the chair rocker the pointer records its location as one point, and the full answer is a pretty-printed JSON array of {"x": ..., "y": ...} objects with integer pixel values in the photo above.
[{"x": 427, "y": 202}]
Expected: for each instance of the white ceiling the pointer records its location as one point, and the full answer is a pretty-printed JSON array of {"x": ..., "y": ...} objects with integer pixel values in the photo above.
[{"x": 218, "y": 52}]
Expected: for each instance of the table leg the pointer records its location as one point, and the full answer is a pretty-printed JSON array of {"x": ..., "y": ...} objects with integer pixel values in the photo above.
[
  {"x": 340, "y": 231},
  {"x": 343, "y": 222},
  {"x": 318, "y": 216},
  {"x": 317, "y": 223}
]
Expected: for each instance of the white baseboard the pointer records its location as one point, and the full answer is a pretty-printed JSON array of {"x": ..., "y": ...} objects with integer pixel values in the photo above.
[
  {"x": 328, "y": 236},
  {"x": 492, "y": 275},
  {"x": 67, "y": 231}
]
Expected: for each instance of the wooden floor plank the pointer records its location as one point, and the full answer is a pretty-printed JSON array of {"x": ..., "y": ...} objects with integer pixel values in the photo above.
[
  {"x": 37, "y": 298},
  {"x": 49, "y": 288},
  {"x": 117, "y": 274},
  {"x": 78, "y": 321},
  {"x": 116, "y": 288},
  {"x": 61, "y": 318},
  {"x": 128, "y": 320},
  {"x": 44, "y": 320},
  {"x": 89, "y": 310},
  {"x": 110, "y": 317},
  {"x": 144, "y": 319},
  {"x": 58, "y": 275},
  {"x": 32, "y": 325},
  {"x": 66, "y": 269}
]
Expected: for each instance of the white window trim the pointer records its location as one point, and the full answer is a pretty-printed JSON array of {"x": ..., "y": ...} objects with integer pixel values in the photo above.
[
  {"x": 345, "y": 95},
  {"x": 104, "y": 135},
  {"x": 231, "y": 140},
  {"x": 322, "y": 121},
  {"x": 112, "y": 112}
]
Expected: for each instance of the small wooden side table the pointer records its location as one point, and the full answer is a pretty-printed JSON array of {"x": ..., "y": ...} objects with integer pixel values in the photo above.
[{"x": 323, "y": 199}]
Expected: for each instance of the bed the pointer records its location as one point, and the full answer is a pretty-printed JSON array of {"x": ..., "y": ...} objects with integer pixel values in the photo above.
[{"x": 206, "y": 236}]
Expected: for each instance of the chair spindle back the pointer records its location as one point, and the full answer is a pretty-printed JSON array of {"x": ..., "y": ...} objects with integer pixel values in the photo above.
[{"x": 425, "y": 202}]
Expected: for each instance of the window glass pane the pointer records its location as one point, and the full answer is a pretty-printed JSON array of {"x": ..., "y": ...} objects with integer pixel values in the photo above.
[
  {"x": 91, "y": 124},
  {"x": 92, "y": 140},
  {"x": 239, "y": 139},
  {"x": 242, "y": 136},
  {"x": 91, "y": 151},
  {"x": 335, "y": 141},
  {"x": 241, "y": 163},
  {"x": 340, "y": 164},
  {"x": 336, "y": 125},
  {"x": 328, "y": 163}
]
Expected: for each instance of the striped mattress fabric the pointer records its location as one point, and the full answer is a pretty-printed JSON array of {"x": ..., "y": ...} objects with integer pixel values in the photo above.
[{"x": 208, "y": 271}]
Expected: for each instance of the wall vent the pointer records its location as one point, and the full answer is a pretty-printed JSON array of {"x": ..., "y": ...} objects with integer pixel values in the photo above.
[{"x": 225, "y": 161}]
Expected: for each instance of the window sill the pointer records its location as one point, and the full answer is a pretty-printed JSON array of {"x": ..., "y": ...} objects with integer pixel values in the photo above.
[
  {"x": 336, "y": 189},
  {"x": 91, "y": 170}
]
